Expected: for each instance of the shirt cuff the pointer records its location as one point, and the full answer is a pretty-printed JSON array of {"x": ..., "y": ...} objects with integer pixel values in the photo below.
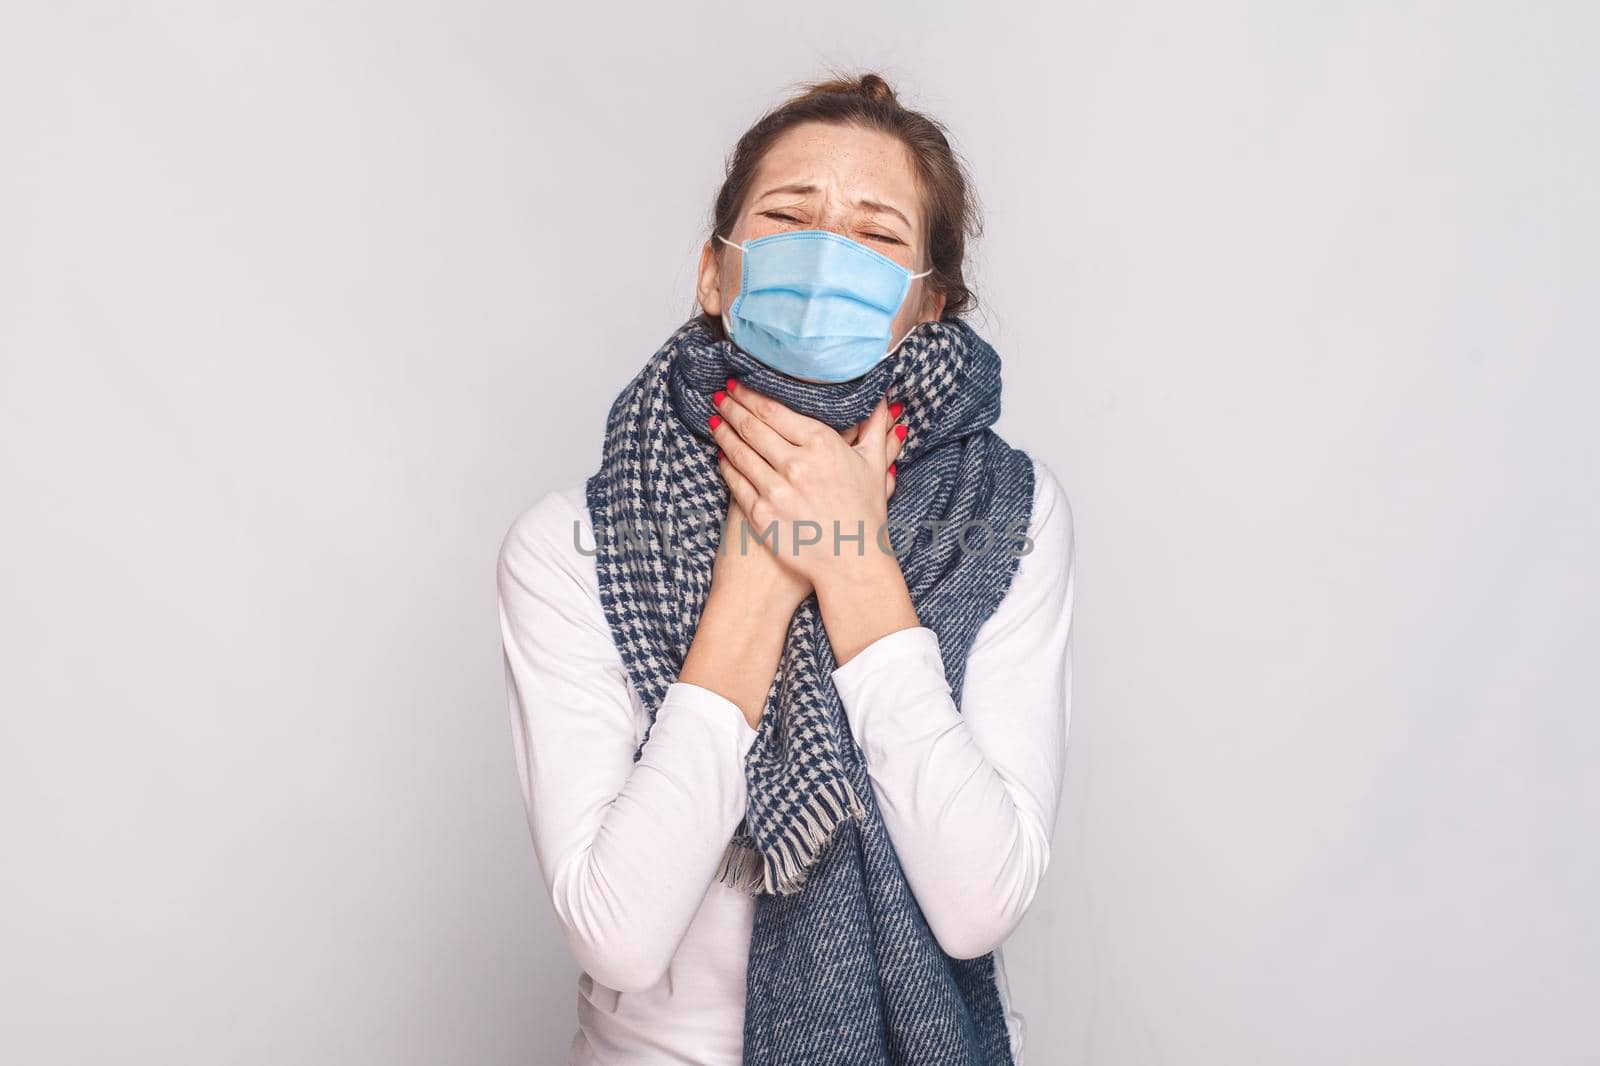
[
  {"x": 717, "y": 708},
  {"x": 898, "y": 668}
]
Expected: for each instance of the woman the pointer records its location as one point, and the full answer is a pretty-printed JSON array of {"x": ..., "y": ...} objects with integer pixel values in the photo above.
[{"x": 789, "y": 797}]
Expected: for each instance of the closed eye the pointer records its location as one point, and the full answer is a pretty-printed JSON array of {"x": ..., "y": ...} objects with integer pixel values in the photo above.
[{"x": 782, "y": 217}]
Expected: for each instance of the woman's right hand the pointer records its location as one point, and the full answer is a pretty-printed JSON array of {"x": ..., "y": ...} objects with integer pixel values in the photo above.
[{"x": 747, "y": 570}]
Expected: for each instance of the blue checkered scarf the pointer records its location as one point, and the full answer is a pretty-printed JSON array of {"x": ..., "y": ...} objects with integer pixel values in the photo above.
[{"x": 843, "y": 967}]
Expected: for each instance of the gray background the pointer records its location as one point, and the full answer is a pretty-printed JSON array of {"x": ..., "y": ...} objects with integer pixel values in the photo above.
[{"x": 300, "y": 304}]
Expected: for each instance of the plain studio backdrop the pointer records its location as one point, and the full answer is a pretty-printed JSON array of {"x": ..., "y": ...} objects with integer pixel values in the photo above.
[{"x": 301, "y": 304}]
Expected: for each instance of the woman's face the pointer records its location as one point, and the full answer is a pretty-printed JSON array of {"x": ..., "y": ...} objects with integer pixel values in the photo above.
[{"x": 853, "y": 181}]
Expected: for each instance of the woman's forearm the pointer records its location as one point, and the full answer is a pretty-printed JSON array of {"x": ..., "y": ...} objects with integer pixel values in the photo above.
[
  {"x": 863, "y": 599},
  {"x": 736, "y": 648}
]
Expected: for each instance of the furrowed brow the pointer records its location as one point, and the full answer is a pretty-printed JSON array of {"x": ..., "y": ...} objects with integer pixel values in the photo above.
[
  {"x": 875, "y": 205},
  {"x": 795, "y": 187}
]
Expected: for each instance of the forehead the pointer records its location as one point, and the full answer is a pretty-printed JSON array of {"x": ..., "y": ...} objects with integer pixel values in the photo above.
[{"x": 845, "y": 161}]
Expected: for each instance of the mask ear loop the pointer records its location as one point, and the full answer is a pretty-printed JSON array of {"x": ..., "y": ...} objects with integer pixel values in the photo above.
[
  {"x": 914, "y": 325},
  {"x": 727, "y": 330},
  {"x": 901, "y": 341}
]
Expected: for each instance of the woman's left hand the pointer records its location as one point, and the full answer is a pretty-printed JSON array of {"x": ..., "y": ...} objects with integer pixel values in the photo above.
[{"x": 826, "y": 490}]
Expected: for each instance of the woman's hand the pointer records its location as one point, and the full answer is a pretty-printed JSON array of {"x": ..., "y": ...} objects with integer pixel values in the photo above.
[
  {"x": 823, "y": 492},
  {"x": 894, "y": 440},
  {"x": 746, "y": 571},
  {"x": 826, "y": 495}
]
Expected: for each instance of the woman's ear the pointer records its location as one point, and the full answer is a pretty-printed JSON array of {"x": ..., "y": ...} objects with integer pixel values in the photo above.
[
  {"x": 709, "y": 286},
  {"x": 933, "y": 307}
]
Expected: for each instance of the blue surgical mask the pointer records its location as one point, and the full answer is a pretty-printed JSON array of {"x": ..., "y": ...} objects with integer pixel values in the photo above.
[{"x": 816, "y": 305}]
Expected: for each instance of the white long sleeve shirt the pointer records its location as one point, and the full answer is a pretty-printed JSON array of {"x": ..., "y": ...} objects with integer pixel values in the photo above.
[{"x": 629, "y": 850}]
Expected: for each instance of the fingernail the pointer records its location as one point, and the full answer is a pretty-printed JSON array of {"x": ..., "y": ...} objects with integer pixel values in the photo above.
[
  {"x": 899, "y": 431},
  {"x": 895, "y": 409},
  {"x": 714, "y": 421},
  {"x": 717, "y": 398},
  {"x": 732, "y": 384},
  {"x": 891, "y": 469},
  {"x": 720, "y": 456}
]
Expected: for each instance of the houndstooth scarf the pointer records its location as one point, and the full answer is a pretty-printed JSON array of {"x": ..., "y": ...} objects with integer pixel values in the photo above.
[{"x": 843, "y": 967}]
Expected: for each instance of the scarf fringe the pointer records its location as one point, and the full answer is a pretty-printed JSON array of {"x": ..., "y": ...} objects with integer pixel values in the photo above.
[
  {"x": 741, "y": 868},
  {"x": 783, "y": 871}
]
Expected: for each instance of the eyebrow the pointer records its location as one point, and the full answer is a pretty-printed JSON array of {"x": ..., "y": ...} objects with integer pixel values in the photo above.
[{"x": 870, "y": 205}]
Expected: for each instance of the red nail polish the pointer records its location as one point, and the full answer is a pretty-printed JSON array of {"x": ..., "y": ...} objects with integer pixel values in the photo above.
[
  {"x": 900, "y": 431},
  {"x": 891, "y": 469},
  {"x": 714, "y": 421},
  {"x": 895, "y": 409},
  {"x": 717, "y": 398},
  {"x": 720, "y": 456},
  {"x": 732, "y": 384}
]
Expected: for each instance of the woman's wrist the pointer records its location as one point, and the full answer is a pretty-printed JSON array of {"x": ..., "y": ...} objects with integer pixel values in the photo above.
[
  {"x": 863, "y": 602},
  {"x": 735, "y": 650}
]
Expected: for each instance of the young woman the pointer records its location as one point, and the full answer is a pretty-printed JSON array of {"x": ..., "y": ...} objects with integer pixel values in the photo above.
[{"x": 789, "y": 674}]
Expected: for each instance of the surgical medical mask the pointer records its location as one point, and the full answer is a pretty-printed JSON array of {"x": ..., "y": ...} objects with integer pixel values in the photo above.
[{"x": 816, "y": 305}]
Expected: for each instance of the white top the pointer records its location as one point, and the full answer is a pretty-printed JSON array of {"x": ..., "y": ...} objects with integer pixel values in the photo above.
[{"x": 629, "y": 850}]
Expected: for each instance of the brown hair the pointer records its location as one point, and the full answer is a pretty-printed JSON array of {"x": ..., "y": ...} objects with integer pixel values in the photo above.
[{"x": 950, "y": 207}]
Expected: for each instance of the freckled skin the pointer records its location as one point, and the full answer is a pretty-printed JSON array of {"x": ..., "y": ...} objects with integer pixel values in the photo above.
[{"x": 846, "y": 164}]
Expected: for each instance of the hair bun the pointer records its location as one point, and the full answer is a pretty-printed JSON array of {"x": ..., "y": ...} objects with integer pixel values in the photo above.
[{"x": 874, "y": 87}]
